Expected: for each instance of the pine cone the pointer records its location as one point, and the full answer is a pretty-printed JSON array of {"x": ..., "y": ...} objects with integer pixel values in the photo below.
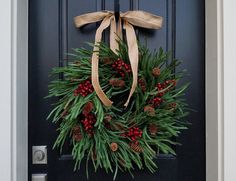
[
  {"x": 156, "y": 71},
  {"x": 77, "y": 135},
  {"x": 107, "y": 61},
  {"x": 107, "y": 122},
  {"x": 153, "y": 129},
  {"x": 136, "y": 147},
  {"x": 108, "y": 118},
  {"x": 87, "y": 108},
  {"x": 78, "y": 62},
  {"x": 76, "y": 129},
  {"x": 117, "y": 82},
  {"x": 150, "y": 110},
  {"x": 172, "y": 105},
  {"x": 113, "y": 146}
]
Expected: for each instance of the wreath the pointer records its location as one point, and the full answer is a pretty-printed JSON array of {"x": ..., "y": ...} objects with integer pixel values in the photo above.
[{"x": 119, "y": 138}]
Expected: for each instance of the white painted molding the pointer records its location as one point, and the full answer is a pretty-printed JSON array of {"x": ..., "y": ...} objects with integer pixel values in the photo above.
[
  {"x": 214, "y": 91},
  {"x": 13, "y": 91},
  {"x": 19, "y": 90}
]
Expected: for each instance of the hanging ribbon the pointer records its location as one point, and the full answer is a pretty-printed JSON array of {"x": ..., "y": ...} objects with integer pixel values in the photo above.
[{"x": 130, "y": 19}]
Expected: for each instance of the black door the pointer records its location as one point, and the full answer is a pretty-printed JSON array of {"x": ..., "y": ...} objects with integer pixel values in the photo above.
[{"x": 52, "y": 34}]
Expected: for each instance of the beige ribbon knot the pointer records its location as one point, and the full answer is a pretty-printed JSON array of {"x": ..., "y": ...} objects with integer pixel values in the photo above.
[{"x": 130, "y": 19}]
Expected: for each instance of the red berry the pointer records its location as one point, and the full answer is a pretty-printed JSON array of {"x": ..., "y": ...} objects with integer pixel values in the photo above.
[
  {"x": 121, "y": 67},
  {"x": 133, "y": 133},
  {"x": 88, "y": 123},
  {"x": 84, "y": 88}
]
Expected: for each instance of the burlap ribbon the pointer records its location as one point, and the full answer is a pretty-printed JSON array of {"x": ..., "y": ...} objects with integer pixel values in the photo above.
[{"x": 130, "y": 19}]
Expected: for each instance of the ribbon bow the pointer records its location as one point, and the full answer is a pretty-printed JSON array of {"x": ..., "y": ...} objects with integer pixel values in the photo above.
[{"x": 130, "y": 19}]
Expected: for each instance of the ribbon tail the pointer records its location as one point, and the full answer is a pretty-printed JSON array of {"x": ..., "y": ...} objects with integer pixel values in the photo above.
[
  {"x": 133, "y": 56},
  {"x": 95, "y": 61}
]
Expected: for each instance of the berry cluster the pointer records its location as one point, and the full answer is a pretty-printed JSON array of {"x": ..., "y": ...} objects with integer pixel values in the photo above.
[
  {"x": 88, "y": 123},
  {"x": 161, "y": 86},
  {"x": 84, "y": 88},
  {"x": 134, "y": 134},
  {"x": 121, "y": 68},
  {"x": 156, "y": 101}
]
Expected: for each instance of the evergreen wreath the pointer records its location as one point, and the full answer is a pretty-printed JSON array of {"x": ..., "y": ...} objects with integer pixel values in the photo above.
[{"x": 118, "y": 138}]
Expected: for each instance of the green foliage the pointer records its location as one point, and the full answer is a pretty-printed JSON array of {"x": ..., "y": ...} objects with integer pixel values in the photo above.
[{"x": 169, "y": 121}]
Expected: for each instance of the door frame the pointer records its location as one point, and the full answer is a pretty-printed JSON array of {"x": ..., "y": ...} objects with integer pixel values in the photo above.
[{"x": 14, "y": 93}]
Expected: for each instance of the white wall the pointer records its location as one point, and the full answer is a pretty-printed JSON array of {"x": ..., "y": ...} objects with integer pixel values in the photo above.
[
  {"x": 13, "y": 89},
  {"x": 230, "y": 89},
  {"x": 5, "y": 90}
]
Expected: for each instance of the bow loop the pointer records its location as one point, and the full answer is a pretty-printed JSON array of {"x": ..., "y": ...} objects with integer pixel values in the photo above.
[
  {"x": 130, "y": 18},
  {"x": 143, "y": 19},
  {"x": 88, "y": 18}
]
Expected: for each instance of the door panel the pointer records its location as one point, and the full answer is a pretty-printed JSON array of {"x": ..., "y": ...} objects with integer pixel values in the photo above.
[
  {"x": 190, "y": 47},
  {"x": 52, "y": 34}
]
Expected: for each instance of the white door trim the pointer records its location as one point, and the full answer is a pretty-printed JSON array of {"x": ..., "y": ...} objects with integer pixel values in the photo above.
[
  {"x": 214, "y": 91},
  {"x": 14, "y": 88}
]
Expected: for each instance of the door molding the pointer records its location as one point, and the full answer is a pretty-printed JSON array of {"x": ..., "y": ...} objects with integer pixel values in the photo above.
[
  {"x": 14, "y": 99},
  {"x": 14, "y": 90},
  {"x": 214, "y": 91}
]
